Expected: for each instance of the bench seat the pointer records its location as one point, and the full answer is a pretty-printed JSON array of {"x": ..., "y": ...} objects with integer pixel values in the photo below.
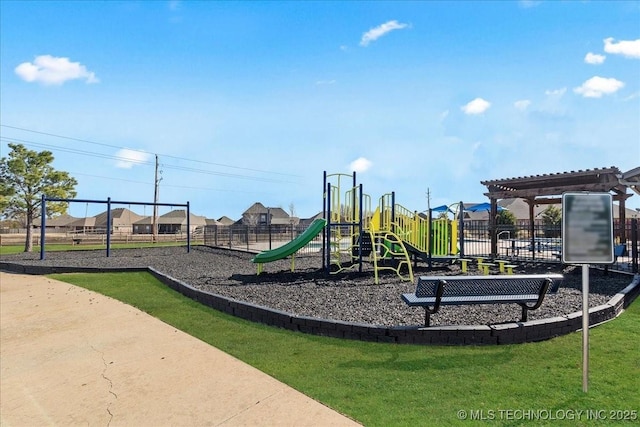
[
  {"x": 413, "y": 301},
  {"x": 527, "y": 290}
]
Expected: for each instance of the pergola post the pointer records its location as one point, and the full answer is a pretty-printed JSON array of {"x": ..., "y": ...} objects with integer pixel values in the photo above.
[
  {"x": 532, "y": 226},
  {"x": 493, "y": 227}
]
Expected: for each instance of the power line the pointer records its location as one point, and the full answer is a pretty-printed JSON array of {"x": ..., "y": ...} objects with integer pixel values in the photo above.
[
  {"x": 186, "y": 187},
  {"x": 140, "y": 151},
  {"x": 110, "y": 178},
  {"x": 140, "y": 162},
  {"x": 70, "y": 150}
]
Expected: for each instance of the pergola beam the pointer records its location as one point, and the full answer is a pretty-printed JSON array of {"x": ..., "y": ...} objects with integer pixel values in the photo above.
[{"x": 536, "y": 189}]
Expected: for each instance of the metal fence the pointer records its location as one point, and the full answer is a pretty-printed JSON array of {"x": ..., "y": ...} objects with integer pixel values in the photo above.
[
  {"x": 517, "y": 242},
  {"x": 514, "y": 242},
  {"x": 257, "y": 238}
]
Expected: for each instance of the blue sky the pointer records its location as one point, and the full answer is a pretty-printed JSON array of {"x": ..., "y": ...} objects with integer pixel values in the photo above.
[{"x": 249, "y": 102}]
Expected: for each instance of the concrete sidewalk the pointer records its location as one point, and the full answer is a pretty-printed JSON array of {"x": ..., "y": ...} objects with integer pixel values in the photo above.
[{"x": 70, "y": 356}]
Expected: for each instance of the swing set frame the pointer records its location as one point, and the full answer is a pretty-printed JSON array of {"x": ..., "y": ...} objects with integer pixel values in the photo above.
[{"x": 108, "y": 202}]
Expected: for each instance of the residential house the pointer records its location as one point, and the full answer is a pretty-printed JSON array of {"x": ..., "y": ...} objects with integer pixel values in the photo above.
[
  {"x": 170, "y": 223},
  {"x": 122, "y": 220},
  {"x": 306, "y": 222},
  {"x": 224, "y": 220},
  {"x": 60, "y": 223},
  {"x": 259, "y": 215}
]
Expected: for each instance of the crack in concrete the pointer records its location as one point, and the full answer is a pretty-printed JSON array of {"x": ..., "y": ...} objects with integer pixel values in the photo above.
[
  {"x": 248, "y": 408},
  {"x": 106, "y": 366}
]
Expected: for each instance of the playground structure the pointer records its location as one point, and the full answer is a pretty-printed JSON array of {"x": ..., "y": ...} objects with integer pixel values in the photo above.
[
  {"x": 389, "y": 236},
  {"x": 290, "y": 248}
]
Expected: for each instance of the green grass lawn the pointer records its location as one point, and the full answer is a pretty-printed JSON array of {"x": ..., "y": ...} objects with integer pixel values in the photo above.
[{"x": 408, "y": 385}]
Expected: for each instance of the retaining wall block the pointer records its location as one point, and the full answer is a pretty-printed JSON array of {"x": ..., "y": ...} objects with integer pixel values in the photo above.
[{"x": 508, "y": 333}]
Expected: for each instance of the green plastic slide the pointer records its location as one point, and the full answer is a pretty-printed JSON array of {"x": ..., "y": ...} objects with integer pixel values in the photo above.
[{"x": 293, "y": 246}]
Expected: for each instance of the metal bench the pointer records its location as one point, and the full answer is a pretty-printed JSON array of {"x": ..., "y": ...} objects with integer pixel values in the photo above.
[{"x": 526, "y": 290}]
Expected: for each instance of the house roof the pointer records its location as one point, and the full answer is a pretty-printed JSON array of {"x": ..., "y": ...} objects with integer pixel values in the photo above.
[
  {"x": 285, "y": 221},
  {"x": 120, "y": 215},
  {"x": 278, "y": 213},
  {"x": 520, "y": 208},
  {"x": 225, "y": 220},
  {"x": 84, "y": 222},
  {"x": 178, "y": 216},
  {"x": 256, "y": 208},
  {"x": 61, "y": 220},
  {"x": 259, "y": 208},
  {"x": 316, "y": 216}
]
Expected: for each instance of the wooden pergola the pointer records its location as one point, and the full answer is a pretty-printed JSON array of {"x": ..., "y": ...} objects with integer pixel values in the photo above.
[{"x": 548, "y": 189}]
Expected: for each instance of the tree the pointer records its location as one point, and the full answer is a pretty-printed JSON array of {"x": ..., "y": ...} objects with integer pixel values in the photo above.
[
  {"x": 25, "y": 176},
  {"x": 506, "y": 221},
  {"x": 552, "y": 218}
]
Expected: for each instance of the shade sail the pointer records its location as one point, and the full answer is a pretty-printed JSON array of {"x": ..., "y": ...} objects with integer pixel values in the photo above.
[
  {"x": 482, "y": 207},
  {"x": 440, "y": 209}
]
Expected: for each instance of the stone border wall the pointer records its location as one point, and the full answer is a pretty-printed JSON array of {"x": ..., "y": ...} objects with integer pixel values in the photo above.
[{"x": 507, "y": 333}]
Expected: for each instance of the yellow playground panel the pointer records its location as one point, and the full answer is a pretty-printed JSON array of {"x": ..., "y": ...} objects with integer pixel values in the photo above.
[
  {"x": 388, "y": 233},
  {"x": 438, "y": 237}
]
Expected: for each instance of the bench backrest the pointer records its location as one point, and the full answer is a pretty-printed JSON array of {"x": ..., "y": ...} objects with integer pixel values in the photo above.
[{"x": 487, "y": 285}]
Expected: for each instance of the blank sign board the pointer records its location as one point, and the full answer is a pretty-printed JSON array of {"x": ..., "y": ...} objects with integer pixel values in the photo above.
[{"x": 587, "y": 228}]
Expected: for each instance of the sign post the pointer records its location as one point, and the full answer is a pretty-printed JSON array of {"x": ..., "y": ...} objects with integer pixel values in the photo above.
[{"x": 587, "y": 238}]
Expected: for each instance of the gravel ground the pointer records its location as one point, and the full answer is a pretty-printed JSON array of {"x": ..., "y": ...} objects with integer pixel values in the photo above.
[{"x": 350, "y": 296}]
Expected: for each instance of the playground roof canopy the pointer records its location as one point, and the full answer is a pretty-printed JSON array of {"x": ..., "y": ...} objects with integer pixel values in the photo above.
[{"x": 593, "y": 180}]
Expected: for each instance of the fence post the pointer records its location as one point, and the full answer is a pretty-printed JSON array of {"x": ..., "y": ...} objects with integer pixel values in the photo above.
[{"x": 634, "y": 244}]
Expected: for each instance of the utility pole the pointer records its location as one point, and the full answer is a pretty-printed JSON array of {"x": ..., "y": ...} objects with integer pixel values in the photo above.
[{"x": 154, "y": 225}]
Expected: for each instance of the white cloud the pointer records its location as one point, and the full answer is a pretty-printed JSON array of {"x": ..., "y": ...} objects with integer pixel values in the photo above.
[
  {"x": 632, "y": 96},
  {"x": 628, "y": 48},
  {"x": 325, "y": 82},
  {"x": 50, "y": 70},
  {"x": 556, "y": 92},
  {"x": 597, "y": 86},
  {"x": 360, "y": 165},
  {"x": 477, "y": 106},
  {"x": 522, "y": 104},
  {"x": 594, "y": 58},
  {"x": 128, "y": 158},
  {"x": 379, "y": 31},
  {"x": 526, "y": 4}
]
